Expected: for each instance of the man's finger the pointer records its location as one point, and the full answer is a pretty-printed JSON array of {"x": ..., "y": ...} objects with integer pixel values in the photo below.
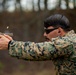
[{"x": 7, "y": 36}]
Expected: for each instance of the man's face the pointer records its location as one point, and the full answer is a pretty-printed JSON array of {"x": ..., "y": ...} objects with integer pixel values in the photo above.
[{"x": 51, "y": 32}]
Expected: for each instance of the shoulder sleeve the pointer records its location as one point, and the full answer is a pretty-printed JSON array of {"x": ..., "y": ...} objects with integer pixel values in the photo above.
[{"x": 40, "y": 51}]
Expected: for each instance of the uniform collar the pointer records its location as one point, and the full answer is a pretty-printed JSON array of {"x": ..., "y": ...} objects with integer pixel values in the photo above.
[{"x": 70, "y": 33}]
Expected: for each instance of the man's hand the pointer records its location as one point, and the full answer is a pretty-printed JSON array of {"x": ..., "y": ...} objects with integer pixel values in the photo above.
[{"x": 4, "y": 40}]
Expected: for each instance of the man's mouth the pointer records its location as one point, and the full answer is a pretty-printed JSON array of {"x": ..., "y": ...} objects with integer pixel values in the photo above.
[{"x": 47, "y": 39}]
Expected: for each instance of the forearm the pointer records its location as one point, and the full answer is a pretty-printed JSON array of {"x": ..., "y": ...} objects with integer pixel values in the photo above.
[{"x": 31, "y": 50}]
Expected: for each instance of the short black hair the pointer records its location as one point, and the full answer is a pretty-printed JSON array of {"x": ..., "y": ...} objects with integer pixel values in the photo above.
[{"x": 57, "y": 20}]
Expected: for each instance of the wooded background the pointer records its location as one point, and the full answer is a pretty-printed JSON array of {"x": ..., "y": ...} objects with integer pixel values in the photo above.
[{"x": 24, "y": 18}]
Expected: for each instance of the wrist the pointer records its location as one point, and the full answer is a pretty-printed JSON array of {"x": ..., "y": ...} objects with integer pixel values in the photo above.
[{"x": 9, "y": 43}]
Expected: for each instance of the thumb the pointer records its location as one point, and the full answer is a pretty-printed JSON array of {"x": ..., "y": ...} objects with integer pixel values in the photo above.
[
  {"x": 1, "y": 36},
  {"x": 7, "y": 36}
]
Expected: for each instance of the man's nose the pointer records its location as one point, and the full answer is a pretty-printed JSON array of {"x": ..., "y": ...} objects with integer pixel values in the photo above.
[{"x": 45, "y": 34}]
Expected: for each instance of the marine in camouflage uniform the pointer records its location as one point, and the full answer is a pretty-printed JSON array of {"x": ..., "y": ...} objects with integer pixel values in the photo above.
[{"x": 60, "y": 50}]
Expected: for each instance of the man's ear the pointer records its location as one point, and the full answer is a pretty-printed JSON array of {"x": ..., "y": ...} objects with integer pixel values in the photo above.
[{"x": 59, "y": 30}]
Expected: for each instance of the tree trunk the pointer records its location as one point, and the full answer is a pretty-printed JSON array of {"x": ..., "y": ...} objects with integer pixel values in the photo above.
[
  {"x": 59, "y": 3},
  {"x": 67, "y": 3},
  {"x": 39, "y": 5},
  {"x": 33, "y": 4},
  {"x": 74, "y": 2},
  {"x": 3, "y": 5},
  {"x": 45, "y": 3},
  {"x": 18, "y": 3}
]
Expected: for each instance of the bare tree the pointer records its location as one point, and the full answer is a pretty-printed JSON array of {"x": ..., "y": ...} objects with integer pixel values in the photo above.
[
  {"x": 67, "y": 3},
  {"x": 39, "y": 5},
  {"x": 3, "y": 5},
  {"x": 45, "y": 3},
  {"x": 59, "y": 3},
  {"x": 0, "y": 4},
  {"x": 33, "y": 4},
  {"x": 18, "y": 5},
  {"x": 74, "y": 2}
]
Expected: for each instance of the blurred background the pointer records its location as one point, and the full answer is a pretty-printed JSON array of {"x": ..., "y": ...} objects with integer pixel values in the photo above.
[{"x": 24, "y": 18}]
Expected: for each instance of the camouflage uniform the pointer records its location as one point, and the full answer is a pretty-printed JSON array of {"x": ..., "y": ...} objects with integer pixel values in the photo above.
[{"x": 60, "y": 50}]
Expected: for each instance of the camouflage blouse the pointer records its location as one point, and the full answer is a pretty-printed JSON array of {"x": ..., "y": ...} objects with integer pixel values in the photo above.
[{"x": 61, "y": 50}]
